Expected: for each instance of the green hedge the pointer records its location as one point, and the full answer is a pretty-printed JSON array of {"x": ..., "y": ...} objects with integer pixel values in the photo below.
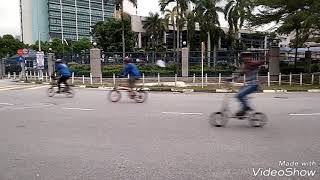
[{"x": 150, "y": 70}]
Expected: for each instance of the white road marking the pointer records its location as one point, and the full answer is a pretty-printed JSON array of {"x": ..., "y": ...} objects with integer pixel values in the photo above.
[
  {"x": 182, "y": 113},
  {"x": 310, "y": 114},
  {"x": 81, "y": 109},
  {"x": 8, "y": 104},
  {"x": 38, "y": 87}
]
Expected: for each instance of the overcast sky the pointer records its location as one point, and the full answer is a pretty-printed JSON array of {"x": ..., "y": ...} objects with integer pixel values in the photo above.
[{"x": 10, "y": 21}]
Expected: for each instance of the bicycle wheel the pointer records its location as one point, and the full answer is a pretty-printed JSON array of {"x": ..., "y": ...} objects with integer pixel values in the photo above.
[
  {"x": 218, "y": 119},
  {"x": 51, "y": 91},
  {"x": 258, "y": 119},
  {"x": 70, "y": 93},
  {"x": 140, "y": 96},
  {"x": 114, "y": 95}
]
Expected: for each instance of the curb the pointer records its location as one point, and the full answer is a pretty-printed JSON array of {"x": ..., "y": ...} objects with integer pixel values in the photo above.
[
  {"x": 314, "y": 90},
  {"x": 223, "y": 91},
  {"x": 273, "y": 91}
]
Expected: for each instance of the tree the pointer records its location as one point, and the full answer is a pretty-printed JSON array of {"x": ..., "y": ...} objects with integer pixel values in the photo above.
[
  {"x": 82, "y": 44},
  {"x": 155, "y": 26},
  {"x": 191, "y": 28},
  {"x": 236, "y": 12},
  {"x": 109, "y": 34},
  {"x": 119, "y": 3},
  {"x": 170, "y": 16},
  {"x": 207, "y": 16},
  {"x": 9, "y": 45},
  {"x": 181, "y": 8},
  {"x": 292, "y": 16}
]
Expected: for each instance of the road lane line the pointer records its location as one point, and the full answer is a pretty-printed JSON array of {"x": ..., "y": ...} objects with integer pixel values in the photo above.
[
  {"x": 38, "y": 87},
  {"x": 81, "y": 109},
  {"x": 8, "y": 104},
  {"x": 182, "y": 113},
  {"x": 310, "y": 114}
]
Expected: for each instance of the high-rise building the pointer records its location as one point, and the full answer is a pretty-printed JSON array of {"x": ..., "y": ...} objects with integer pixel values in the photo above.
[{"x": 63, "y": 19}]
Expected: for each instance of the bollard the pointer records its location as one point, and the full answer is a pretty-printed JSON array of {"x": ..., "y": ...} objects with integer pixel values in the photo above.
[
  {"x": 91, "y": 81},
  {"x": 219, "y": 79},
  {"x": 280, "y": 79},
  {"x": 50, "y": 79},
  {"x": 82, "y": 79},
  {"x": 30, "y": 74},
  {"x": 114, "y": 80},
  {"x": 9, "y": 75},
  {"x": 206, "y": 79},
  {"x": 46, "y": 76},
  {"x": 269, "y": 79},
  {"x": 175, "y": 80},
  {"x": 290, "y": 79},
  {"x": 300, "y": 79},
  {"x": 158, "y": 79},
  {"x": 27, "y": 76},
  {"x": 34, "y": 75},
  {"x": 244, "y": 79},
  {"x": 257, "y": 76},
  {"x": 72, "y": 79},
  {"x": 14, "y": 75},
  {"x": 194, "y": 79},
  {"x": 232, "y": 77},
  {"x": 101, "y": 80},
  {"x": 312, "y": 79},
  {"x": 128, "y": 76},
  {"x": 143, "y": 79}
]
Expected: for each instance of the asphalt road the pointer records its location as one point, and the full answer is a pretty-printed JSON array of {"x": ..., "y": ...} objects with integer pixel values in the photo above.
[{"x": 168, "y": 137}]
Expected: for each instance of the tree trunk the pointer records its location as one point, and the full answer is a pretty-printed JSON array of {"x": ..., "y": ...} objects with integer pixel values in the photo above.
[
  {"x": 296, "y": 46},
  {"x": 123, "y": 38}
]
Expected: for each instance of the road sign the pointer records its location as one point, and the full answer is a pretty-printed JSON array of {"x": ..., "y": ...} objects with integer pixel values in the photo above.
[
  {"x": 20, "y": 52},
  {"x": 40, "y": 60},
  {"x": 25, "y": 52},
  {"x": 20, "y": 59}
]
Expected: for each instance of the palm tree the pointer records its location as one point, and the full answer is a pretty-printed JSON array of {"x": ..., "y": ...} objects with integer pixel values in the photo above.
[
  {"x": 182, "y": 6},
  {"x": 170, "y": 16},
  {"x": 155, "y": 26},
  {"x": 119, "y": 3},
  {"x": 236, "y": 12},
  {"x": 207, "y": 16}
]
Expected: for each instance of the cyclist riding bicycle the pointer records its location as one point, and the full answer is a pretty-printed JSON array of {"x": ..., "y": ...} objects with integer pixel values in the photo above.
[
  {"x": 64, "y": 74},
  {"x": 250, "y": 70},
  {"x": 133, "y": 72}
]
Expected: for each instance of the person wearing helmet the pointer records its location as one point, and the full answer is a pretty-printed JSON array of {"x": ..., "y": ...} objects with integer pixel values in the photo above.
[
  {"x": 133, "y": 72},
  {"x": 250, "y": 70},
  {"x": 64, "y": 74}
]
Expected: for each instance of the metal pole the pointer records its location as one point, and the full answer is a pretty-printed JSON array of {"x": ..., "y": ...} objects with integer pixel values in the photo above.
[
  {"x": 46, "y": 76},
  {"x": 72, "y": 80},
  {"x": 158, "y": 79},
  {"x": 91, "y": 81},
  {"x": 280, "y": 79},
  {"x": 194, "y": 79},
  {"x": 206, "y": 79},
  {"x": 101, "y": 79},
  {"x": 9, "y": 75},
  {"x": 114, "y": 79},
  {"x": 175, "y": 80},
  {"x": 269, "y": 83},
  {"x": 202, "y": 59},
  {"x": 290, "y": 79},
  {"x": 82, "y": 79},
  {"x": 14, "y": 75},
  {"x": 219, "y": 79},
  {"x": 143, "y": 79},
  {"x": 300, "y": 79},
  {"x": 312, "y": 79}
]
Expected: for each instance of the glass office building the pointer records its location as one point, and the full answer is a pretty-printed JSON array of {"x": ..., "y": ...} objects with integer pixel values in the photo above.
[
  {"x": 63, "y": 19},
  {"x": 73, "y": 19}
]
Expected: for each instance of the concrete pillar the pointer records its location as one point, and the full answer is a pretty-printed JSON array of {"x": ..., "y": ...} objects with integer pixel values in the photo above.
[
  {"x": 95, "y": 62},
  {"x": 185, "y": 62},
  {"x": 274, "y": 60},
  {"x": 2, "y": 68},
  {"x": 51, "y": 65},
  {"x": 139, "y": 40},
  {"x": 164, "y": 37}
]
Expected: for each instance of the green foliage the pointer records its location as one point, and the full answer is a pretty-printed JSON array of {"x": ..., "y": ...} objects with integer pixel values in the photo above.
[
  {"x": 155, "y": 26},
  {"x": 109, "y": 35},
  {"x": 9, "y": 45}
]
